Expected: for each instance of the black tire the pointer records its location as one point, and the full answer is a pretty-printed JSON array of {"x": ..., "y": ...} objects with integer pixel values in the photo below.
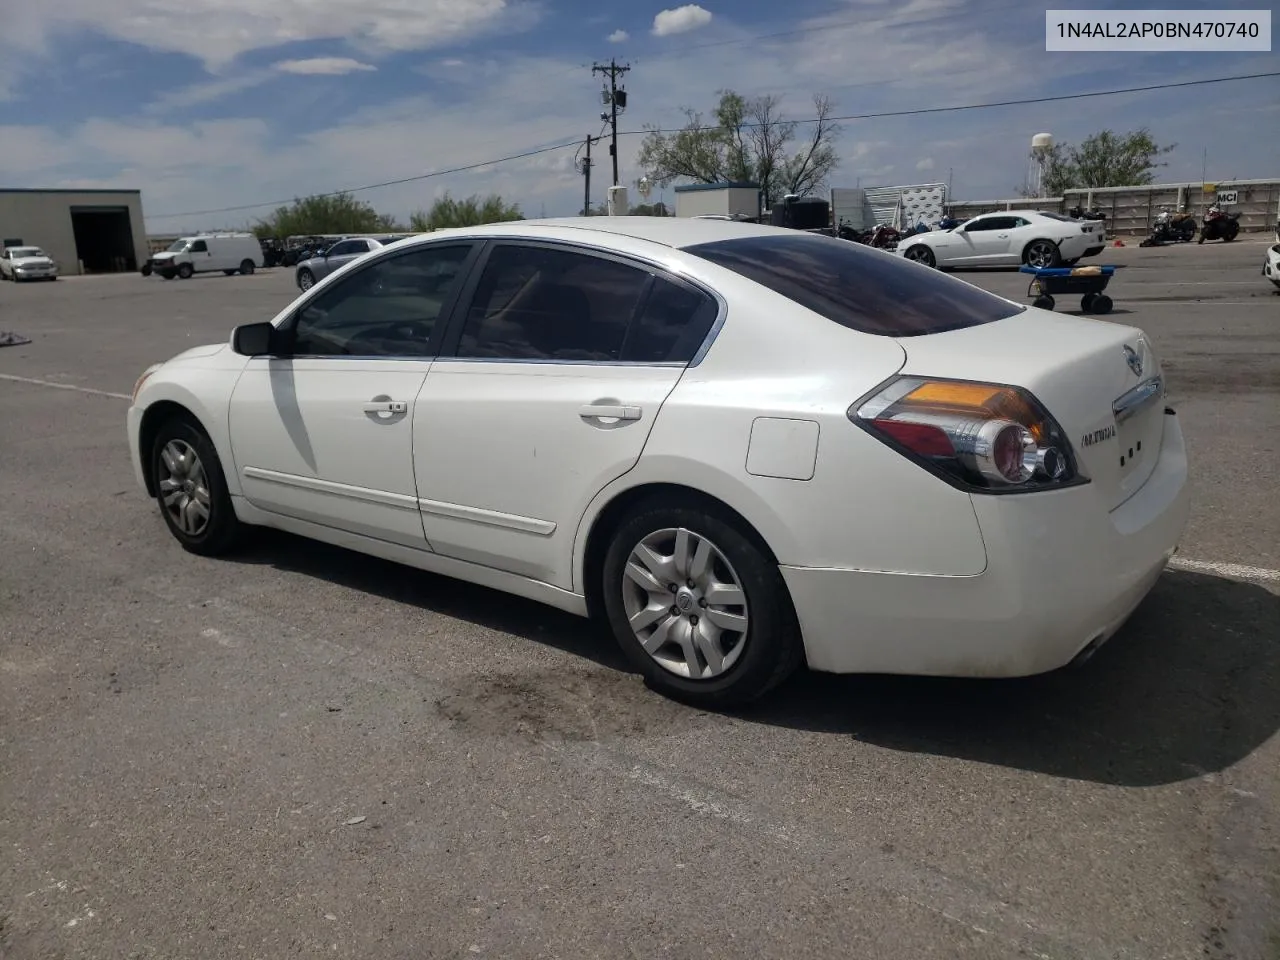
[
  {"x": 1044, "y": 302},
  {"x": 922, "y": 255},
  {"x": 771, "y": 647},
  {"x": 185, "y": 270},
  {"x": 222, "y": 530},
  {"x": 1101, "y": 303},
  {"x": 229, "y": 273},
  {"x": 146, "y": 269},
  {"x": 1087, "y": 302},
  {"x": 308, "y": 282},
  {"x": 246, "y": 268},
  {"x": 1051, "y": 249}
]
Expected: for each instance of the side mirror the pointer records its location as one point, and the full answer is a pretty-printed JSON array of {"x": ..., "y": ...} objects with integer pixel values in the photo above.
[{"x": 252, "y": 339}]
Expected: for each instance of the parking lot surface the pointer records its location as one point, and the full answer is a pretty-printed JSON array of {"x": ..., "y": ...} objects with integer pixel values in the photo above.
[{"x": 301, "y": 752}]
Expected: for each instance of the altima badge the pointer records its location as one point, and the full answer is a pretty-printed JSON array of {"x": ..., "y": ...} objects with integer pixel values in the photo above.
[{"x": 1135, "y": 362}]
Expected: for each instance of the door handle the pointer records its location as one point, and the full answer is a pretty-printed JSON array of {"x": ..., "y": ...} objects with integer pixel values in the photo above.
[
  {"x": 386, "y": 406},
  {"x": 605, "y": 411}
]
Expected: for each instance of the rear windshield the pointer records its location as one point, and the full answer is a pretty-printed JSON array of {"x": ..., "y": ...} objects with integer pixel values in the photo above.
[{"x": 857, "y": 286}]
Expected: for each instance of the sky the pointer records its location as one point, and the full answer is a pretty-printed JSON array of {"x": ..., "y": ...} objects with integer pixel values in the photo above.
[{"x": 211, "y": 104}]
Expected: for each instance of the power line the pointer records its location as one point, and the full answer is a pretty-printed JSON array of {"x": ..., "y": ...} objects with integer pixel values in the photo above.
[
  {"x": 372, "y": 186},
  {"x": 983, "y": 106},
  {"x": 577, "y": 142}
]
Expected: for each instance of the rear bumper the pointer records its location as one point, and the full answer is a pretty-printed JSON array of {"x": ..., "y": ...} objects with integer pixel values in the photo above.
[{"x": 1062, "y": 574}]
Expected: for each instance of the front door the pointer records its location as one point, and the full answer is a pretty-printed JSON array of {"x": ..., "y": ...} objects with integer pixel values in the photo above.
[
  {"x": 322, "y": 430},
  {"x": 563, "y": 359},
  {"x": 342, "y": 253}
]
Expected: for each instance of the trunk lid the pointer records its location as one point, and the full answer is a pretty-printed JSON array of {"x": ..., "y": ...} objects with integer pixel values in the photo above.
[{"x": 1101, "y": 381}]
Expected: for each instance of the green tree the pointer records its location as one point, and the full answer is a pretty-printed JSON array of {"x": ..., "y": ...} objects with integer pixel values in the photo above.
[
  {"x": 1105, "y": 159},
  {"x": 324, "y": 213},
  {"x": 470, "y": 212},
  {"x": 746, "y": 139}
]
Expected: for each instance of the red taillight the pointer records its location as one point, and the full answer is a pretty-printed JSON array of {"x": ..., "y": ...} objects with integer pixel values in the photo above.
[
  {"x": 921, "y": 438},
  {"x": 977, "y": 435}
]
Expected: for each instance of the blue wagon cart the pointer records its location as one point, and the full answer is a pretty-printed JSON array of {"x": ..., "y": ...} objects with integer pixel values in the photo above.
[{"x": 1087, "y": 282}]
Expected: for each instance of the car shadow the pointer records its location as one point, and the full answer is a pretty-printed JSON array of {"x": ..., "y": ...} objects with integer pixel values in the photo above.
[
  {"x": 475, "y": 604},
  {"x": 1190, "y": 685}
]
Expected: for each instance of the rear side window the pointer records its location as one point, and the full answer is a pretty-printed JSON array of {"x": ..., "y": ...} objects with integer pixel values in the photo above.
[
  {"x": 856, "y": 286},
  {"x": 675, "y": 320}
]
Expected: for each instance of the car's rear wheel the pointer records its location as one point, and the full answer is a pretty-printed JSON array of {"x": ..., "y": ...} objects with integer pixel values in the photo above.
[
  {"x": 192, "y": 490},
  {"x": 921, "y": 254},
  {"x": 246, "y": 267},
  {"x": 699, "y": 606},
  {"x": 305, "y": 280},
  {"x": 1041, "y": 254}
]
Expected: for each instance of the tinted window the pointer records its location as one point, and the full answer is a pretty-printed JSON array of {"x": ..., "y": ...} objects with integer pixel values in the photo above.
[
  {"x": 536, "y": 303},
  {"x": 858, "y": 287},
  {"x": 388, "y": 309},
  {"x": 675, "y": 320},
  {"x": 347, "y": 247},
  {"x": 199, "y": 246},
  {"x": 987, "y": 223}
]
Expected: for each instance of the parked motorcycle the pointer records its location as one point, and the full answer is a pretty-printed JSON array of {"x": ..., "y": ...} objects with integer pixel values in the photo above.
[
  {"x": 1219, "y": 225},
  {"x": 1079, "y": 213},
  {"x": 1171, "y": 227}
]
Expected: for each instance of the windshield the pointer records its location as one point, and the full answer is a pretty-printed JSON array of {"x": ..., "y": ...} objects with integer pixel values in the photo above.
[
  {"x": 857, "y": 287},
  {"x": 16, "y": 252},
  {"x": 177, "y": 246}
]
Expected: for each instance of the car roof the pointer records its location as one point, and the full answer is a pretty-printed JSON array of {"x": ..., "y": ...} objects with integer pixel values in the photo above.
[{"x": 677, "y": 232}]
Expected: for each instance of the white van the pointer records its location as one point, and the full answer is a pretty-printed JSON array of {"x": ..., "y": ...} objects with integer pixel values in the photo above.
[{"x": 207, "y": 253}]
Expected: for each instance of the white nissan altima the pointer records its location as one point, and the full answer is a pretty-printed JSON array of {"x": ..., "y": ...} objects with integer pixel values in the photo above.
[{"x": 743, "y": 448}]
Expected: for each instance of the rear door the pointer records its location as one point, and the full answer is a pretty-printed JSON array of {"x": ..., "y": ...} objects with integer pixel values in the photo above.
[{"x": 562, "y": 357}]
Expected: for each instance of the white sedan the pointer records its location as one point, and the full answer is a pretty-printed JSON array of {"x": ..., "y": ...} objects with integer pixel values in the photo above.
[
  {"x": 742, "y": 448},
  {"x": 1008, "y": 238}
]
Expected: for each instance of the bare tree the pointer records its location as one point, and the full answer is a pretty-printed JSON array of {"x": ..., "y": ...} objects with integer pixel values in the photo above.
[{"x": 750, "y": 139}]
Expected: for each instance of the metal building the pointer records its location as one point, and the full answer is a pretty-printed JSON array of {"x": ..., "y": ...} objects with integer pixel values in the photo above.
[{"x": 85, "y": 231}]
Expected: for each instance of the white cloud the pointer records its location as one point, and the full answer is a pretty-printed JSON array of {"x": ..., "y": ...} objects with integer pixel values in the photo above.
[
  {"x": 507, "y": 103},
  {"x": 680, "y": 20},
  {"x": 619, "y": 36},
  {"x": 925, "y": 164},
  {"x": 326, "y": 66},
  {"x": 218, "y": 31}
]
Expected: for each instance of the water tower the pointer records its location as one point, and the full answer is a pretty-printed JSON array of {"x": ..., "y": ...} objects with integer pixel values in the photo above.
[{"x": 1041, "y": 147}]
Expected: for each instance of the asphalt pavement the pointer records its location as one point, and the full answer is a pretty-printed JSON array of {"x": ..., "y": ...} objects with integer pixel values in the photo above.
[{"x": 305, "y": 752}]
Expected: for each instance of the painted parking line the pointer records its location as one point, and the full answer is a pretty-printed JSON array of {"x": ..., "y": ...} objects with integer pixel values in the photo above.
[
  {"x": 1235, "y": 571},
  {"x": 64, "y": 386}
]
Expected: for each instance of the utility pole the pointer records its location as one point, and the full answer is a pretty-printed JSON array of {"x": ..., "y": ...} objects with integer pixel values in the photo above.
[
  {"x": 615, "y": 100},
  {"x": 585, "y": 165}
]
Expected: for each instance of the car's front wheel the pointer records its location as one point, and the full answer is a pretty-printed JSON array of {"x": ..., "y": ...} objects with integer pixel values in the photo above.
[
  {"x": 192, "y": 490},
  {"x": 699, "y": 606},
  {"x": 305, "y": 280},
  {"x": 921, "y": 254}
]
